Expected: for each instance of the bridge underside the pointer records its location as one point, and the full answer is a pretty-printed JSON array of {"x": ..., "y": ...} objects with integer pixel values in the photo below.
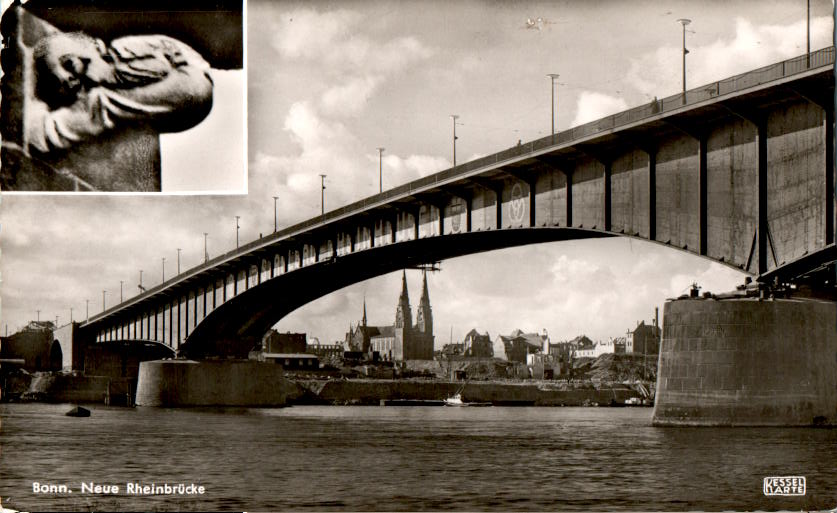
[{"x": 226, "y": 333}]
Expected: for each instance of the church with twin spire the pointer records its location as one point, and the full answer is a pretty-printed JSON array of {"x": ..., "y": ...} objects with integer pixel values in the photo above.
[{"x": 402, "y": 340}]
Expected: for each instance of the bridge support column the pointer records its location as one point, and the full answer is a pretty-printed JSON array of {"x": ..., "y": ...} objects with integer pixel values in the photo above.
[
  {"x": 652, "y": 194},
  {"x": 829, "y": 175},
  {"x": 703, "y": 142},
  {"x": 762, "y": 195},
  {"x": 747, "y": 362},
  {"x": 608, "y": 171},
  {"x": 469, "y": 207},
  {"x": 532, "y": 206},
  {"x": 498, "y": 193},
  {"x": 569, "y": 197}
]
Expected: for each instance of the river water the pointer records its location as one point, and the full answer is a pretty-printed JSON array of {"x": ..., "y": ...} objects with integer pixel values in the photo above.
[{"x": 404, "y": 458}]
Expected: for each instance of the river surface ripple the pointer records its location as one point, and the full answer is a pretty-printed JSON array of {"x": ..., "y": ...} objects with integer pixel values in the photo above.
[{"x": 405, "y": 458}]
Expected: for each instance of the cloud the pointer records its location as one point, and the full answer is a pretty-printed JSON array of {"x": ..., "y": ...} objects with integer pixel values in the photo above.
[
  {"x": 324, "y": 145},
  {"x": 357, "y": 64},
  {"x": 350, "y": 97},
  {"x": 592, "y": 105},
  {"x": 308, "y": 34},
  {"x": 659, "y": 72}
]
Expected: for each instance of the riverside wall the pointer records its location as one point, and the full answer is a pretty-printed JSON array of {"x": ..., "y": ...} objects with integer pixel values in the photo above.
[
  {"x": 176, "y": 383},
  {"x": 748, "y": 362},
  {"x": 372, "y": 392},
  {"x": 72, "y": 388}
]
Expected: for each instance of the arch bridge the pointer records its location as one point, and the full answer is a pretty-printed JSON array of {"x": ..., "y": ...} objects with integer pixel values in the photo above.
[{"x": 740, "y": 171}]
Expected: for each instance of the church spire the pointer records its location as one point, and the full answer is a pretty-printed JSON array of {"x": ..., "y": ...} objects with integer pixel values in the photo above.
[
  {"x": 403, "y": 317},
  {"x": 364, "y": 310},
  {"x": 424, "y": 317}
]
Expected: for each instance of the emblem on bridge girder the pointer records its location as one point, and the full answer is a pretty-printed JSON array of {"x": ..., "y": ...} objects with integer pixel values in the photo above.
[
  {"x": 456, "y": 216},
  {"x": 517, "y": 204}
]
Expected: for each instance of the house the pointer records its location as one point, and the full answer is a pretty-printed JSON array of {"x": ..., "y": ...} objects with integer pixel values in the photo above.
[
  {"x": 645, "y": 339},
  {"x": 516, "y": 346},
  {"x": 478, "y": 345},
  {"x": 275, "y": 342}
]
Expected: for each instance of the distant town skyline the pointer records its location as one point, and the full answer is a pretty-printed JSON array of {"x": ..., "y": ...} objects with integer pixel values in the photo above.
[{"x": 329, "y": 83}]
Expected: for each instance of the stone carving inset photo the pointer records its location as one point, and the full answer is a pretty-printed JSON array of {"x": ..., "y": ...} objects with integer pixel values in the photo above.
[{"x": 98, "y": 99}]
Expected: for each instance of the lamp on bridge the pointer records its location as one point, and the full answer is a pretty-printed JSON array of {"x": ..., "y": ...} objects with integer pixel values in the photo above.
[
  {"x": 178, "y": 260},
  {"x": 684, "y": 22},
  {"x": 380, "y": 169},
  {"x": 453, "y": 118},
  {"x": 236, "y": 230},
  {"x": 322, "y": 194},
  {"x": 553, "y": 76},
  {"x": 275, "y": 222},
  {"x": 164, "y": 269},
  {"x": 205, "y": 254}
]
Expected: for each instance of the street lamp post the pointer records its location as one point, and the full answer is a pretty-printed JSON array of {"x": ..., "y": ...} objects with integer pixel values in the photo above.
[
  {"x": 140, "y": 283},
  {"x": 236, "y": 231},
  {"x": 178, "y": 260},
  {"x": 380, "y": 169},
  {"x": 103, "y": 300},
  {"x": 37, "y": 316},
  {"x": 275, "y": 215},
  {"x": 453, "y": 118},
  {"x": 164, "y": 269},
  {"x": 322, "y": 194},
  {"x": 205, "y": 254},
  {"x": 120, "y": 291},
  {"x": 553, "y": 76},
  {"x": 87, "y": 310},
  {"x": 684, "y": 22},
  {"x": 808, "y": 35}
]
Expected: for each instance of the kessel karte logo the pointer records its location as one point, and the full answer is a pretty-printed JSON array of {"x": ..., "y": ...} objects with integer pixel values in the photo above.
[{"x": 787, "y": 485}]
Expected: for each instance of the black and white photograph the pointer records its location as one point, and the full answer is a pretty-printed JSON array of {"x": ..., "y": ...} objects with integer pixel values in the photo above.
[
  {"x": 479, "y": 256},
  {"x": 123, "y": 96}
]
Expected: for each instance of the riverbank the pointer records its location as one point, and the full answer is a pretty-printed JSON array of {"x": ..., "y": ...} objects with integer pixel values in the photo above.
[
  {"x": 534, "y": 393},
  {"x": 74, "y": 388}
]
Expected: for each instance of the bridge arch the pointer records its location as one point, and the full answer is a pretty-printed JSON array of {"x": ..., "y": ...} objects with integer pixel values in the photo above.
[{"x": 238, "y": 325}]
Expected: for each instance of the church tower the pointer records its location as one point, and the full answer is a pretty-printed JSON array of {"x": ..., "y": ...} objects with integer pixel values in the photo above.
[
  {"x": 364, "y": 311},
  {"x": 424, "y": 316},
  {"x": 403, "y": 316}
]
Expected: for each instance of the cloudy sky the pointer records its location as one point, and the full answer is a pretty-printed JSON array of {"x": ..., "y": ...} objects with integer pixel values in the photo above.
[{"x": 328, "y": 82}]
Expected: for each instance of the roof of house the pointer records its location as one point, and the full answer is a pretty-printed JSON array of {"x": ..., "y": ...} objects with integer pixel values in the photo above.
[{"x": 474, "y": 333}]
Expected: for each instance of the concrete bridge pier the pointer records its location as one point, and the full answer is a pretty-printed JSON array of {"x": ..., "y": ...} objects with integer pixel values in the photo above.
[
  {"x": 179, "y": 383},
  {"x": 748, "y": 362}
]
